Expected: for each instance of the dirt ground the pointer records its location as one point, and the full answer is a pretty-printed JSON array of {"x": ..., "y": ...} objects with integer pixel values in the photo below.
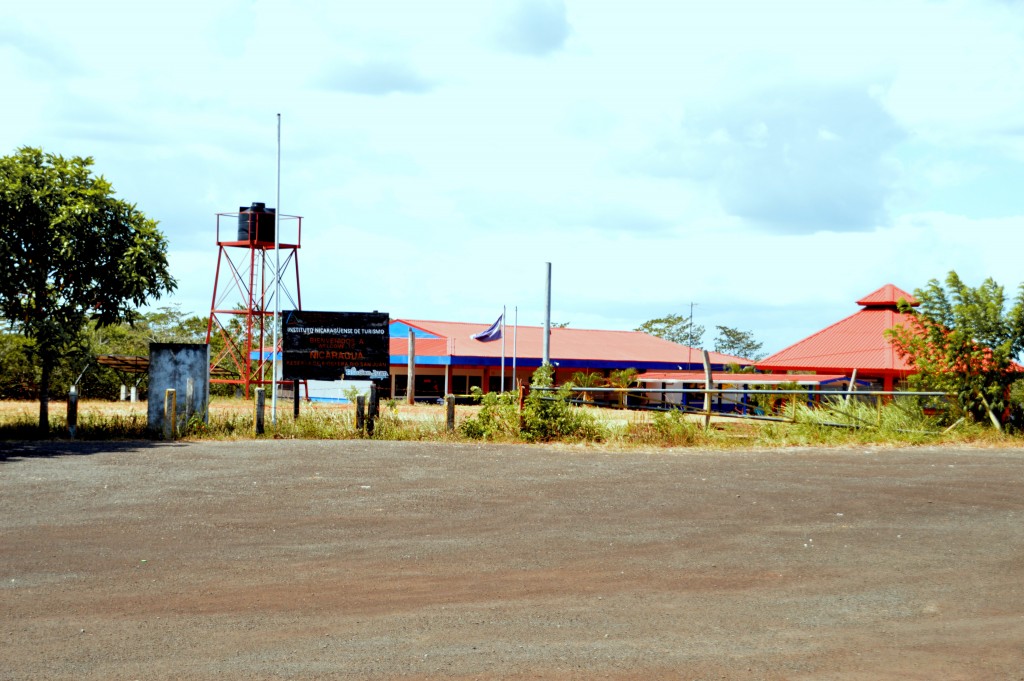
[{"x": 379, "y": 560}]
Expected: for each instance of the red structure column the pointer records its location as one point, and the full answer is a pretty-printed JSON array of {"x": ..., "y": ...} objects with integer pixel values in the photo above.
[{"x": 244, "y": 285}]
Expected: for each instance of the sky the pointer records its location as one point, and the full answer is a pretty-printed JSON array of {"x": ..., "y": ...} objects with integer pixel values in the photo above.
[{"x": 763, "y": 165}]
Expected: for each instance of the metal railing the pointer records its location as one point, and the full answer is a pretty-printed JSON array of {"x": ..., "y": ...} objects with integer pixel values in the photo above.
[{"x": 637, "y": 399}]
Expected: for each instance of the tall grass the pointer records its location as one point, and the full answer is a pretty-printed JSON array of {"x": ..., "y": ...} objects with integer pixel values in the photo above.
[
  {"x": 835, "y": 422},
  {"x": 663, "y": 429},
  {"x": 91, "y": 426},
  {"x": 838, "y": 421}
]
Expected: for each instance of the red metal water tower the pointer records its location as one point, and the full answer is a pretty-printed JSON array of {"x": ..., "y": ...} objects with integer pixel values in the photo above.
[{"x": 240, "y": 329}]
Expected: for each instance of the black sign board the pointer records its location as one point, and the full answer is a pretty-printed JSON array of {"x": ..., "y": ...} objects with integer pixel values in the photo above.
[{"x": 330, "y": 346}]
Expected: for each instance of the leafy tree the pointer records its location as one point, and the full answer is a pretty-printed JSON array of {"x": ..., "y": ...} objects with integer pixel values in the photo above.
[
  {"x": 964, "y": 340},
  {"x": 71, "y": 252},
  {"x": 18, "y": 379},
  {"x": 732, "y": 341},
  {"x": 675, "y": 328},
  {"x": 163, "y": 325}
]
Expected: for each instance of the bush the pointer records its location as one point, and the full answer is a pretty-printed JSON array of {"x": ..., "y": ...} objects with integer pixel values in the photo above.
[
  {"x": 498, "y": 418},
  {"x": 548, "y": 414}
]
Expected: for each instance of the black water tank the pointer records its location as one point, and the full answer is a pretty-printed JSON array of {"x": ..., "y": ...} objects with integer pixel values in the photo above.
[{"x": 256, "y": 223}]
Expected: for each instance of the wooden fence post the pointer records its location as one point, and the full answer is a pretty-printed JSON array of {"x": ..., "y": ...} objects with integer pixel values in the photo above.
[
  {"x": 261, "y": 398},
  {"x": 360, "y": 413},
  {"x": 374, "y": 409},
  {"x": 295, "y": 398},
  {"x": 410, "y": 392},
  {"x": 449, "y": 406},
  {"x": 707, "y": 389}
]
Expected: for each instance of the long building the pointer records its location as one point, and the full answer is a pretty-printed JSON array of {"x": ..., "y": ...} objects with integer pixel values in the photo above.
[{"x": 449, "y": 360}]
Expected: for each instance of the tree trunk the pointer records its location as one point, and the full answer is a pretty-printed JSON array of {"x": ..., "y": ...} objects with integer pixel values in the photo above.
[
  {"x": 995, "y": 420},
  {"x": 44, "y": 398}
]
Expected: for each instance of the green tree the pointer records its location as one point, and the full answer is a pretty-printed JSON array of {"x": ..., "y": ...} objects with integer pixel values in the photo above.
[
  {"x": 18, "y": 379},
  {"x": 730, "y": 341},
  {"x": 675, "y": 328},
  {"x": 964, "y": 340},
  {"x": 71, "y": 252},
  {"x": 163, "y": 325}
]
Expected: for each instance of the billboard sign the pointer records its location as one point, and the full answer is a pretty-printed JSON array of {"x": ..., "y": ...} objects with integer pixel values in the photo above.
[{"x": 330, "y": 346}]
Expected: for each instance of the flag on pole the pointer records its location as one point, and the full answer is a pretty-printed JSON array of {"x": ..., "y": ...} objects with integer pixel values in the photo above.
[{"x": 492, "y": 333}]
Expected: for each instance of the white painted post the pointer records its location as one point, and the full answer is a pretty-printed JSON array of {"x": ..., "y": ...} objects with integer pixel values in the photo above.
[
  {"x": 170, "y": 413},
  {"x": 190, "y": 399},
  {"x": 73, "y": 411}
]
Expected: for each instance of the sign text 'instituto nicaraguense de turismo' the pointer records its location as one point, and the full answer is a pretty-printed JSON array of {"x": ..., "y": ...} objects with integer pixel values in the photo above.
[{"x": 329, "y": 346}]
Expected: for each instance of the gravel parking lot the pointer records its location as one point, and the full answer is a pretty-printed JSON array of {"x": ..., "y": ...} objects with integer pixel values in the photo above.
[{"x": 379, "y": 560}]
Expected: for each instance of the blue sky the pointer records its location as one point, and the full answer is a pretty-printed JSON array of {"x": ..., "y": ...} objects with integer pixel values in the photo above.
[{"x": 770, "y": 162}]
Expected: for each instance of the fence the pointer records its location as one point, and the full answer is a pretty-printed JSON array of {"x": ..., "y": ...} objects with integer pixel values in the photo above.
[{"x": 744, "y": 403}]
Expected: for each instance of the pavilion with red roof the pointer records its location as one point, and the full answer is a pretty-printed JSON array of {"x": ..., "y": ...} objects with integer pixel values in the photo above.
[
  {"x": 448, "y": 359},
  {"x": 856, "y": 343}
]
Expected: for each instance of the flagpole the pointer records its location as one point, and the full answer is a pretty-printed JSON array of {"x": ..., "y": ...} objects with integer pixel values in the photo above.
[
  {"x": 515, "y": 338},
  {"x": 502, "y": 348},
  {"x": 277, "y": 283}
]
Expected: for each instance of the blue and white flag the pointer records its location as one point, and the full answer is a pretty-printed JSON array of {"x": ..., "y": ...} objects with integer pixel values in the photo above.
[{"x": 492, "y": 333}]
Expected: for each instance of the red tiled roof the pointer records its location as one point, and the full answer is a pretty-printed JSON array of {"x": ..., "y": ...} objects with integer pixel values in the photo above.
[
  {"x": 745, "y": 379},
  {"x": 857, "y": 342},
  {"x": 568, "y": 344},
  {"x": 425, "y": 347}
]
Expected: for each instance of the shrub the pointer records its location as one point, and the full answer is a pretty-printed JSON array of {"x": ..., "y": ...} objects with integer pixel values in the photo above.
[
  {"x": 548, "y": 414},
  {"x": 498, "y": 418}
]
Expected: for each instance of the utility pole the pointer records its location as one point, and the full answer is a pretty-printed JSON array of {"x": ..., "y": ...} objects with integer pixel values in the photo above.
[{"x": 546, "y": 356}]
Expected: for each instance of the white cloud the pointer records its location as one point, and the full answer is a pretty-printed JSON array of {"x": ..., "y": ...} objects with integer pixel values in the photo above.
[
  {"x": 377, "y": 78},
  {"x": 535, "y": 27},
  {"x": 770, "y": 161}
]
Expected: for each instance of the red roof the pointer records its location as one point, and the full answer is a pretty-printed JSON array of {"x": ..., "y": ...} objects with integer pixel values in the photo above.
[
  {"x": 739, "y": 379},
  {"x": 857, "y": 342},
  {"x": 887, "y": 296},
  {"x": 568, "y": 344}
]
